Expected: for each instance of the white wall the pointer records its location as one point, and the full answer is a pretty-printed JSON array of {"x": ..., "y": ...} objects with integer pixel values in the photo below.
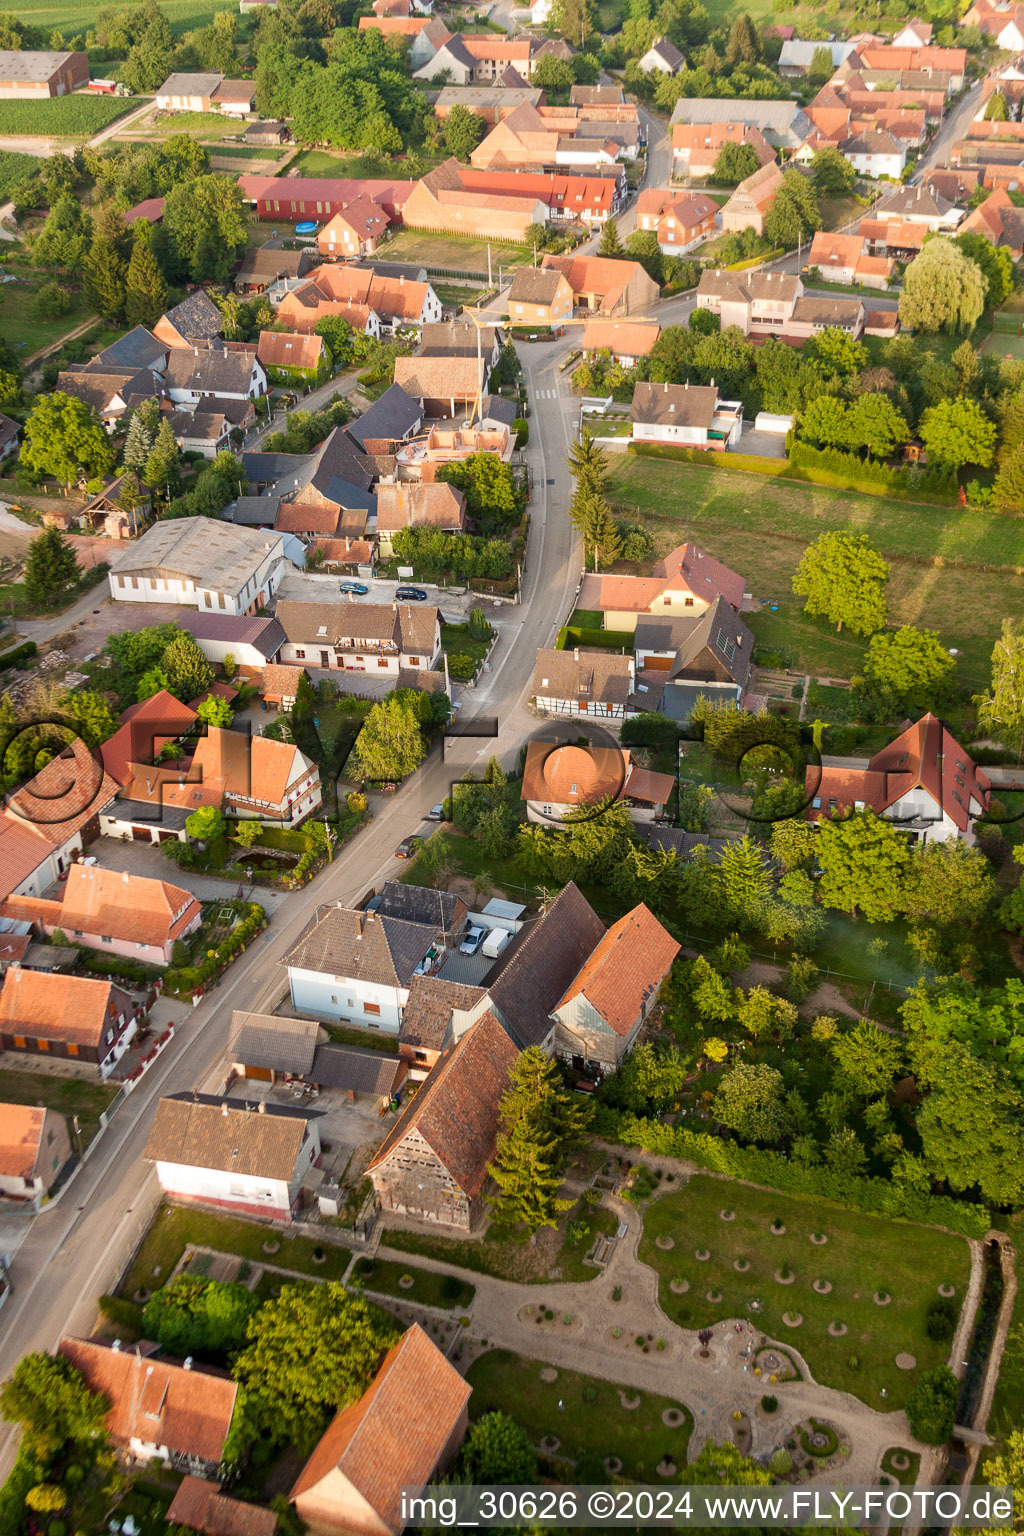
[
  {"x": 345, "y": 998},
  {"x": 669, "y": 432},
  {"x": 213, "y": 1184}
]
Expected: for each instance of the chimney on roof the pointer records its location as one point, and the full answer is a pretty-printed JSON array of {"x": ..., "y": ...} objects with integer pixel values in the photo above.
[
  {"x": 125, "y": 877},
  {"x": 186, "y": 1364},
  {"x": 224, "y": 1109},
  {"x": 261, "y": 1107}
]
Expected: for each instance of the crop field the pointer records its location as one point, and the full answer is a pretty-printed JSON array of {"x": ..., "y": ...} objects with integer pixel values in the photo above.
[
  {"x": 12, "y": 168},
  {"x": 68, "y": 117},
  {"x": 182, "y": 14}
]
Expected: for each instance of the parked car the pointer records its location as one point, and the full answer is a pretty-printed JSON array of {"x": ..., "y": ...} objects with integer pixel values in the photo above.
[
  {"x": 353, "y": 589},
  {"x": 411, "y": 595},
  {"x": 436, "y": 812},
  {"x": 471, "y": 943},
  {"x": 407, "y": 848}
]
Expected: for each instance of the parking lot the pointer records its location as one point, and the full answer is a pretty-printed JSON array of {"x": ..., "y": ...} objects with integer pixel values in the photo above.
[{"x": 315, "y": 587}]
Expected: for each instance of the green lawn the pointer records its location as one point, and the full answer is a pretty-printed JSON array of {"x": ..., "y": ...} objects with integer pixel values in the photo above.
[
  {"x": 761, "y": 527},
  {"x": 456, "y": 637},
  {"x": 24, "y": 330},
  {"x": 428, "y": 1288},
  {"x": 205, "y": 126},
  {"x": 512, "y": 1259},
  {"x": 863, "y": 1254},
  {"x": 454, "y": 253},
  {"x": 584, "y": 1413},
  {"x": 69, "y": 1095},
  {"x": 174, "y": 1228}
]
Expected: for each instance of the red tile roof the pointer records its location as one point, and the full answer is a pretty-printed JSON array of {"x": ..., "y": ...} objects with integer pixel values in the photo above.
[
  {"x": 48, "y": 1006},
  {"x": 629, "y": 964},
  {"x": 393, "y": 1437},
  {"x": 114, "y": 904},
  {"x": 145, "y": 730},
  {"x": 202, "y": 1507},
  {"x": 64, "y": 795},
  {"x": 21, "y": 1126},
  {"x": 456, "y": 1110},
  {"x": 156, "y": 1401}
]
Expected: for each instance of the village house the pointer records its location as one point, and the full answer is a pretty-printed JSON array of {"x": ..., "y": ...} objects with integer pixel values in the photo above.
[
  {"x": 432, "y": 1165},
  {"x": 392, "y": 419},
  {"x": 201, "y": 430},
  {"x": 462, "y": 338},
  {"x": 153, "y": 1413},
  {"x": 1002, "y": 21},
  {"x": 679, "y": 658},
  {"x": 686, "y": 582},
  {"x": 797, "y": 56},
  {"x": 274, "y": 1049},
  {"x": 46, "y": 1014},
  {"x": 250, "y": 642},
  {"x": 662, "y": 57},
  {"x": 199, "y": 562},
  {"x": 540, "y": 965},
  {"x": 600, "y": 1016},
  {"x": 381, "y": 638},
  {"x": 913, "y": 34},
  {"x": 680, "y": 220},
  {"x": 423, "y": 505},
  {"x": 228, "y": 1154},
  {"x": 490, "y": 102},
  {"x": 341, "y": 290},
  {"x": 924, "y": 781},
  {"x": 774, "y": 304},
  {"x": 28, "y": 75},
  {"x": 288, "y": 358},
  {"x": 120, "y": 913},
  {"x": 34, "y": 1147},
  {"x": 875, "y": 153},
  {"x": 445, "y": 387},
  {"x": 271, "y": 267},
  {"x": 844, "y": 259},
  {"x": 783, "y": 124},
  {"x": 195, "y": 319},
  {"x": 585, "y": 684},
  {"x": 697, "y": 146},
  {"x": 919, "y": 205},
  {"x": 206, "y": 93},
  {"x": 209, "y": 373},
  {"x": 930, "y": 63},
  {"x": 423, "y": 457},
  {"x": 560, "y": 778},
  {"x": 358, "y": 966},
  {"x": 749, "y": 204},
  {"x": 401, "y": 1434},
  {"x": 110, "y": 394},
  {"x": 436, "y": 1014},
  {"x": 356, "y": 231},
  {"x": 625, "y": 341},
  {"x": 688, "y": 415},
  {"x": 279, "y": 684},
  {"x": 540, "y": 296},
  {"x": 200, "y": 1506},
  {"x": 46, "y": 823},
  {"x": 604, "y": 285},
  {"x": 1000, "y": 221},
  {"x": 250, "y": 777}
]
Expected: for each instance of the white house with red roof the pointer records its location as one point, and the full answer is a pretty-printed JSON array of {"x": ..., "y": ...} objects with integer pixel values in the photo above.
[
  {"x": 924, "y": 780},
  {"x": 685, "y": 583},
  {"x": 603, "y": 1010}
]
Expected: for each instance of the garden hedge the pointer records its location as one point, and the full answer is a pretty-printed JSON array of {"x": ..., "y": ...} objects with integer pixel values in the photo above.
[
  {"x": 19, "y": 654},
  {"x": 571, "y": 635},
  {"x": 719, "y": 1155}
]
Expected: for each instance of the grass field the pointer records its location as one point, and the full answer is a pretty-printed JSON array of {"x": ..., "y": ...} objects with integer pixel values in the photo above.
[
  {"x": 69, "y": 1095},
  {"x": 863, "y": 1254},
  {"x": 182, "y": 15},
  {"x": 247, "y": 152},
  {"x": 22, "y": 328},
  {"x": 509, "y": 1259},
  {"x": 428, "y": 1288},
  {"x": 459, "y": 255},
  {"x": 69, "y": 117},
  {"x": 203, "y": 125},
  {"x": 761, "y": 528},
  {"x": 585, "y": 1414},
  {"x": 174, "y": 1228}
]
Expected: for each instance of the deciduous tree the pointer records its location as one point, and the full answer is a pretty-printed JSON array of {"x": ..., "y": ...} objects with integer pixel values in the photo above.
[
  {"x": 862, "y": 859},
  {"x": 751, "y": 1100},
  {"x": 206, "y": 823},
  {"x": 204, "y": 224},
  {"x": 497, "y": 1450},
  {"x": 64, "y": 438},
  {"x": 831, "y": 172},
  {"x": 1001, "y": 707},
  {"x": 48, "y": 1397},
  {"x": 793, "y": 212},
  {"x": 463, "y": 130},
  {"x": 390, "y": 744},
  {"x": 843, "y": 580},
  {"x": 735, "y": 162},
  {"x": 911, "y": 667},
  {"x": 943, "y": 289},
  {"x": 958, "y": 432}
]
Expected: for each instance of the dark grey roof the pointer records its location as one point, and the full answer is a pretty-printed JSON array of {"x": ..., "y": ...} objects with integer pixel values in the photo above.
[
  {"x": 265, "y": 468},
  {"x": 196, "y": 317},
  {"x": 391, "y": 418},
  {"x": 534, "y": 285},
  {"x": 685, "y": 844},
  {"x": 535, "y": 973},
  {"x": 819, "y": 309},
  {"x": 143, "y": 813},
  {"x": 361, "y": 946},
  {"x": 706, "y": 646},
  {"x": 421, "y": 904},
  {"x": 98, "y": 386},
  {"x": 239, "y": 629},
  {"x": 427, "y": 1016},
  {"x": 406, "y": 269},
  {"x": 456, "y": 338},
  {"x": 198, "y": 426},
  {"x": 355, "y": 1071},
  {"x": 255, "y": 511},
  {"x": 210, "y": 372},
  {"x": 265, "y": 1040},
  {"x": 497, "y": 408},
  {"x": 269, "y": 261},
  {"x": 138, "y": 348}
]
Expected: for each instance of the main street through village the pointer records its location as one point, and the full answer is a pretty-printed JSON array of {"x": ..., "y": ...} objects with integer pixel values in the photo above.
[{"x": 76, "y": 1248}]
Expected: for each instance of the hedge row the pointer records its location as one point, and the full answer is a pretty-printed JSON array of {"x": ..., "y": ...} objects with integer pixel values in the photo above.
[
  {"x": 718, "y": 1155},
  {"x": 867, "y": 474},
  {"x": 187, "y": 979},
  {"x": 748, "y": 461}
]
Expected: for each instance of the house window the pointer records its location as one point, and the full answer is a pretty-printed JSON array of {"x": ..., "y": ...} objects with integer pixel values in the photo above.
[
  {"x": 300, "y": 654},
  {"x": 106, "y": 939},
  {"x": 72, "y": 1048},
  {"x": 19, "y": 1042},
  {"x": 382, "y": 661},
  {"x": 43, "y": 1045},
  {"x": 373, "y": 1009}
]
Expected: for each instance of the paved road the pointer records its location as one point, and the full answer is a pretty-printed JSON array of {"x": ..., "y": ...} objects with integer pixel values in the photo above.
[{"x": 77, "y": 1247}]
